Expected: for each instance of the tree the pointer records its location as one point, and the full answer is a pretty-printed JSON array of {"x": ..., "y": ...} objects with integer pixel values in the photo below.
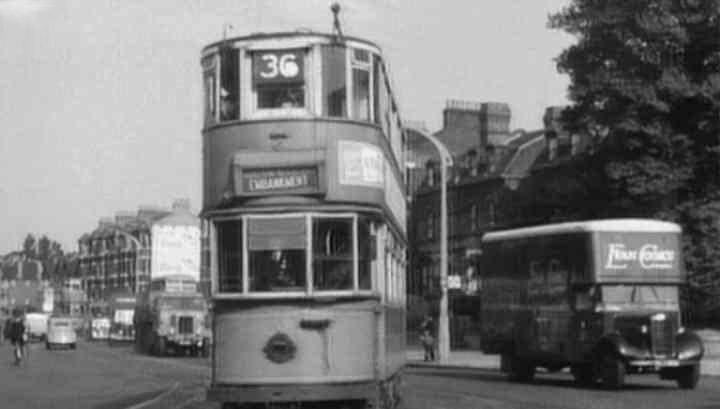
[
  {"x": 645, "y": 77},
  {"x": 29, "y": 246},
  {"x": 645, "y": 82}
]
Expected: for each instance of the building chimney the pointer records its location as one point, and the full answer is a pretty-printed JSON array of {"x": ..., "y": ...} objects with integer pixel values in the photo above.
[
  {"x": 495, "y": 122},
  {"x": 181, "y": 205},
  {"x": 461, "y": 114},
  {"x": 551, "y": 119},
  {"x": 106, "y": 222}
]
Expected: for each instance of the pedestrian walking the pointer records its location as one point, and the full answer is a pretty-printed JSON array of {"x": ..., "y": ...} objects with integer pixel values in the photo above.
[
  {"x": 18, "y": 336},
  {"x": 427, "y": 338}
]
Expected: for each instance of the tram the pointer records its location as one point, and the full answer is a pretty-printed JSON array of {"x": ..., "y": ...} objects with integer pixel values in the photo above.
[{"x": 304, "y": 206}]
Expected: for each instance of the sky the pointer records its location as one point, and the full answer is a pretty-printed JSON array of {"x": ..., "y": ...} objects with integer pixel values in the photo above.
[{"x": 100, "y": 100}]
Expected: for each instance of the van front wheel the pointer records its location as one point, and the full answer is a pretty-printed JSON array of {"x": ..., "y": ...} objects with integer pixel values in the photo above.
[{"x": 688, "y": 376}]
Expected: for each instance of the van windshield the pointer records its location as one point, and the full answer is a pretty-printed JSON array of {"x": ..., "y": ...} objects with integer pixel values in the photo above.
[
  {"x": 635, "y": 294},
  {"x": 181, "y": 303}
]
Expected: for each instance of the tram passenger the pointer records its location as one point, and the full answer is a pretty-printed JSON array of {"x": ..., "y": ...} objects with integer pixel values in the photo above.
[
  {"x": 427, "y": 338},
  {"x": 228, "y": 105}
]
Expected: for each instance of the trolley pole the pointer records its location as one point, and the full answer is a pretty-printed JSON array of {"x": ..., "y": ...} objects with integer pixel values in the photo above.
[{"x": 443, "y": 321}]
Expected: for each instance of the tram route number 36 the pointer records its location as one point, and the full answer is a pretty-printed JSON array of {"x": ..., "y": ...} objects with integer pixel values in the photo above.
[{"x": 277, "y": 66}]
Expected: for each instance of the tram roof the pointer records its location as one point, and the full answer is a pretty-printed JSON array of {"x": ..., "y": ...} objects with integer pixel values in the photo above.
[
  {"x": 607, "y": 225},
  {"x": 289, "y": 34}
]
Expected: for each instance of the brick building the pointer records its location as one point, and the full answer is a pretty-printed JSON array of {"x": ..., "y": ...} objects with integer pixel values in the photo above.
[
  {"x": 116, "y": 255},
  {"x": 494, "y": 172}
]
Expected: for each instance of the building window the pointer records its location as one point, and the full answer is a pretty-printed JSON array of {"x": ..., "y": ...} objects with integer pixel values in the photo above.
[
  {"x": 552, "y": 147},
  {"x": 279, "y": 78},
  {"x": 574, "y": 144},
  {"x": 334, "y": 84},
  {"x": 474, "y": 217}
]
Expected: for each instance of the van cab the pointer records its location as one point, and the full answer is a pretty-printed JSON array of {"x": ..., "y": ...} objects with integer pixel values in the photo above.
[{"x": 60, "y": 332}]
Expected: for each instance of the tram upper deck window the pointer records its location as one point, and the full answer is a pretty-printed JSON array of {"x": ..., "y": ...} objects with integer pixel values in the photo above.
[
  {"x": 279, "y": 78},
  {"x": 333, "y": 253},
  {"x": 361, "y": 84},
  {"x": 229, "y": 84},
  {"x": 276, "y": 254},
  {"x": 209, "y": 85},
  {"x": 333, "y": 81}
]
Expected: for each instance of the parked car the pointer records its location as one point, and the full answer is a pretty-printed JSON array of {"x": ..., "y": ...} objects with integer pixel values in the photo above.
[{"x": 61, "y": 333}]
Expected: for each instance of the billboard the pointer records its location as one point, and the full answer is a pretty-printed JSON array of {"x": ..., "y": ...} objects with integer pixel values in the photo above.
[{"x": 175, "y": 251}]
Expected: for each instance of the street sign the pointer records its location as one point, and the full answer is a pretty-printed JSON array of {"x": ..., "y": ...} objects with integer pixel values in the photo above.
[{"x": 454, "y": 282}]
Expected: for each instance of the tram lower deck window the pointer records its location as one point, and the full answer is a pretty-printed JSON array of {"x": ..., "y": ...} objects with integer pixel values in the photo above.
[
  {"x": 333, "y": 254},
  {"x": 230, "y": 252},
  {"x": 276, "y": 254}
]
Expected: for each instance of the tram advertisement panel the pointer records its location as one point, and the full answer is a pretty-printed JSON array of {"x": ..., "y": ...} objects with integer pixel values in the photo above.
[
  {"x": 175, "y": 251},
  {"x": 360, "y": 164},
  {"x": 637, "y": 256}
]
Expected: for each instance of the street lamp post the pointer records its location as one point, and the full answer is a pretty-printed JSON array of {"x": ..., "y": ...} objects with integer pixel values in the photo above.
[{"x": 443, "y": 322}]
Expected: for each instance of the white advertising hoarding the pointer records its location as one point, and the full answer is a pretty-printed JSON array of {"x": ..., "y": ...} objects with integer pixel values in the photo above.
[{"x": 175, "y": 251}]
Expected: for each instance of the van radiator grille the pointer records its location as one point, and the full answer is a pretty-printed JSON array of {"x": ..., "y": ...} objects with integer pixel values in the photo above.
[
  {"x": 185, "y": 325},
  {"x": 662, "y": 334}
]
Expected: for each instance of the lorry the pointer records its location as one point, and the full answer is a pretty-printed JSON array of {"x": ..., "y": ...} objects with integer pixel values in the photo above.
[
  {"x": 122, "y": 310},
  {"x": 172, "y": 316},
  {"x": 36, "y": 325},
  {"x": 600, "y": 297}
]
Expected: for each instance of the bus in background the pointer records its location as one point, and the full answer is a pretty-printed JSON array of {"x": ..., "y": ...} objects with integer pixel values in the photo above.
[
  {"x": 305, "y": 212},
  {"x": 122, "y": 311},
  {"x": 600, "y": 297}
]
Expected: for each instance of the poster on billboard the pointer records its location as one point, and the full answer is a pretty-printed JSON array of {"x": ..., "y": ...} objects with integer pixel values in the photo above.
[{"x": 175, "y": 251}]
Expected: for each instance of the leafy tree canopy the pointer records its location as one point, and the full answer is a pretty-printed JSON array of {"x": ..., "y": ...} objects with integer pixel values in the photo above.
[
  {"x": 645, "y": 82},
  {"x": 645, "y": 78}
]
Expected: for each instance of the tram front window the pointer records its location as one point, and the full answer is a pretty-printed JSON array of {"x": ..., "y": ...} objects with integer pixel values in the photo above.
[
  {"x": 333, "y": 253},
  {"x": 276, "y": 254}
]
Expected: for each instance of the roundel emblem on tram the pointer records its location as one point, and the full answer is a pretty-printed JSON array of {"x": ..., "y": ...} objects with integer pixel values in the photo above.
[{"x": 280, "y": 348}]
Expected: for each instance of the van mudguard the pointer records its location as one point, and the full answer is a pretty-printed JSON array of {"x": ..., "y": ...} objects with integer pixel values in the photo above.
[{"x": 689, "y": 346}]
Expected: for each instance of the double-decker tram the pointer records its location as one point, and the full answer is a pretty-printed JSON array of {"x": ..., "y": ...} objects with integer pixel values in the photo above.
[{"x": 305, "y": 209}]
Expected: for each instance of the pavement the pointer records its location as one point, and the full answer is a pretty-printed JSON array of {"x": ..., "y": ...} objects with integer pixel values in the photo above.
[{"x": 471, "y": 359}]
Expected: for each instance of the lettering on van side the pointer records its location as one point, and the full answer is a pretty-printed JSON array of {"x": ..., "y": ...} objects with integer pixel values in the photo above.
[{"x": 649, "y": 256}]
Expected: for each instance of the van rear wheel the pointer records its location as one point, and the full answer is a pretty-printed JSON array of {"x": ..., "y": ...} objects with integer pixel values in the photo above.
[
  {"x": 518, "y": 369},
  {"x": 612, "y": 371},
  {"x": 583, "y": 374}
]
